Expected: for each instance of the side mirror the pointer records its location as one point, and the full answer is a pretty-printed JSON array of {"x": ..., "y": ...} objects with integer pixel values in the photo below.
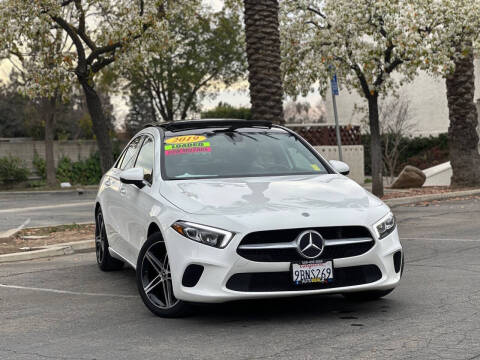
[
  {"x": 340, "y": 166},
  {"x": 133, "y": 176}
]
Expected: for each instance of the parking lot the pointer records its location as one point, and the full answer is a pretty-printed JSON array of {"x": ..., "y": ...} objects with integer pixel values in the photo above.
[
  {"x": 65, "y": 308},
  {"x": 46, "y": 208}
]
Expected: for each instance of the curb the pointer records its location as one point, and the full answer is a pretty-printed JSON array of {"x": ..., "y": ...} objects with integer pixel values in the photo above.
[
  {"x": 430, "y": 197},
  {"x": 12, "y": 232},
  {"x": 50, "y": 251}
]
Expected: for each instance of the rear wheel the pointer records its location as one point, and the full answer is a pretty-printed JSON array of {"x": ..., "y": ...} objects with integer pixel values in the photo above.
[
  {"x": 154, "y": 280},
  {"x": 104, "y": 260},
  {"x": 367, "y": 295}
]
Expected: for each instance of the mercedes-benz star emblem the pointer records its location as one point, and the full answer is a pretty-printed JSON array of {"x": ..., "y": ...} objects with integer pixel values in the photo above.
[{"x": 310, "y": 244}]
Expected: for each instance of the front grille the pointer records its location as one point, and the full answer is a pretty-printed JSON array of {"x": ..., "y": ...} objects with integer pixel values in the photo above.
[
  {"x": 282, "y": 281},
  {"x": 278, "y": 245}
]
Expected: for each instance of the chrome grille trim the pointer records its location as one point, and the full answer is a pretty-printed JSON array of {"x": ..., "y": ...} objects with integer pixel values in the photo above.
[{"x": 293, "y": 244}]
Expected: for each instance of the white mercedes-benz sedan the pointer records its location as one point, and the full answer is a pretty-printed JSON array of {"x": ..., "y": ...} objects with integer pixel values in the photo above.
[{"x": 218, "y": 210}]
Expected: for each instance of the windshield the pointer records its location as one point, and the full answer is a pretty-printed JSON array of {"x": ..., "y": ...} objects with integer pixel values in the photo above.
[{"x": 252, "y": 152}]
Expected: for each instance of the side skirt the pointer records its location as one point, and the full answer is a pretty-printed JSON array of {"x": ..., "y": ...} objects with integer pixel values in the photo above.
[{"x": 118, "y": 256}]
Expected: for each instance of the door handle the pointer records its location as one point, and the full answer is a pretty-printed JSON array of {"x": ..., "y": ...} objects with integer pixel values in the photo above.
[{"x": 123, "y": 191}]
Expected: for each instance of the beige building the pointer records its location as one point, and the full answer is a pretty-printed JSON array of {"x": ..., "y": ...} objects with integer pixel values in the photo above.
[{"x": 428, "y": 102}]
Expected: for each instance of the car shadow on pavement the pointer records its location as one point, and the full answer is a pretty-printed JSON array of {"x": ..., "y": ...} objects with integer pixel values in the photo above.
[
  {"x": 298, "y": 308},
  {"x": 283, "y": 309}
]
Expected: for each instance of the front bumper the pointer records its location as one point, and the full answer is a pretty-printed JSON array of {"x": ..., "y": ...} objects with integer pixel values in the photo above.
[{"x": 219, "y": 265}]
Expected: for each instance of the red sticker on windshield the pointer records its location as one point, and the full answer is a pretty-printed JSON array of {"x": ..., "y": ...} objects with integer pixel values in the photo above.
[{"x": 187, "y": 150}]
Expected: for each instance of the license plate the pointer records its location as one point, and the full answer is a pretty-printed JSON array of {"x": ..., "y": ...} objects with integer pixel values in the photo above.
[{"x": 312, "y": 272}]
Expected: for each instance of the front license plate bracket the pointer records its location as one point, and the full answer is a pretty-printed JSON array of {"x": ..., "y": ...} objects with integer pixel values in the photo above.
[{"x": 312, "y": 272}]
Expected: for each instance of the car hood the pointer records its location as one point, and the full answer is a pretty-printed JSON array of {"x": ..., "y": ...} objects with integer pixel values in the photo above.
[{"x": 267, "y": 197}]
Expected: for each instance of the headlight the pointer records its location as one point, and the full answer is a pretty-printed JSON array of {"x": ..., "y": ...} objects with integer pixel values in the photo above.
[
  {"x": 203, "y": 234},
  {"x": 385, "y": 226}
]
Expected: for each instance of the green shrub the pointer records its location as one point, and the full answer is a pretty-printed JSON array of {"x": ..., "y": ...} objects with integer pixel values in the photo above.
[
  {"x": 12, "y": 170},
  {"x": 40, "y": 166},
  {"x": 64, "y": 170},
  {"x": 35, "y": 184},
  {"x": 227, "y": 111},
  {"x": 421, "y": 152},
  {"x": 84, "y": 172}
]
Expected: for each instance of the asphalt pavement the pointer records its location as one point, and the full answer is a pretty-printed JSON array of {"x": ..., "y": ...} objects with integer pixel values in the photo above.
[
  {"x": 65, "y": 308},
  {"x": 45, "y": 208}
]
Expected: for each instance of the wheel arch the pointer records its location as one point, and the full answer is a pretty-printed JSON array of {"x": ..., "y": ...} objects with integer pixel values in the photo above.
[
  {"x": 97, "y": 208},
  {"x": 153, "y": 228}
]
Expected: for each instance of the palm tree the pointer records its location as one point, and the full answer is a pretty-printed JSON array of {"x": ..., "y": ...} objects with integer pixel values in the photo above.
[
  {"x": 264, "y": 59},
  {"x": 462, "y": 132}
]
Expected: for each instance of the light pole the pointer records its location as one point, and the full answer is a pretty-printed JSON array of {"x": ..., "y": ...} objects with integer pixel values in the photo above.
[{"x": 334, "y": 86}]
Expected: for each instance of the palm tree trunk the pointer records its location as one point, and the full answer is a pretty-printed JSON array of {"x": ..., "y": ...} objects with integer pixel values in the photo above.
[
  {"x": 264, "y": 59},
  {"x": 462, "y": 132}
]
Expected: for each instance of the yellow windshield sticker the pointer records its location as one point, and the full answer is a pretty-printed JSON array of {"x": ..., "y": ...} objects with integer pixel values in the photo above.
[
  {"x": 185, "y": 139},
  {"x": 315, "y": 167}
]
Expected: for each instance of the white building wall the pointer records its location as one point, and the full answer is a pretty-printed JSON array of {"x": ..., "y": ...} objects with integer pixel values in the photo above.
[
  {"x": 352, "y": 155},
  {"x": 428, "y": 101}
]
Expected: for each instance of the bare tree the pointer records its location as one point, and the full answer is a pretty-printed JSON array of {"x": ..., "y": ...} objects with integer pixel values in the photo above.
[
  {"x": 304, "y": 112},
  {"x": 395, "y": 125}
]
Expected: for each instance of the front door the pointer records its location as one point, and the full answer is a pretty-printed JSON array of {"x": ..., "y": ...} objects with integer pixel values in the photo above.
[
  {"x": 138, "y": 202},
  {"x": 115, "y": 212}
]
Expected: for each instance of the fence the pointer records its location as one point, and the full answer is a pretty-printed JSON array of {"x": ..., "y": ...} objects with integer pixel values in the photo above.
[
  {"x": 25, "y": 149},
  {"x": 324, "y": 138},
  {"x": 325, "y": 134}
]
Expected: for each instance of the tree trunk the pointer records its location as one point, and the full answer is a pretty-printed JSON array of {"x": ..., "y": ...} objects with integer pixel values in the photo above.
[
  {"x": 375, "y": 146},
  {"x": 264, "y": 59},
  {"x": 49, "y": 137},
  {"x": 99, "y": 123},
  {"x": 462, "y": 132}
]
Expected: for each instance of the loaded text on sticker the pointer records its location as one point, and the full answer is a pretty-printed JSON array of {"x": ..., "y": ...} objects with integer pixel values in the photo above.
[
  {"x": 187, "y": 151},
  {"x": 187, "y": 145},
  {"x": 185, "y": 139},
  {"x": 315, "y": 167}
]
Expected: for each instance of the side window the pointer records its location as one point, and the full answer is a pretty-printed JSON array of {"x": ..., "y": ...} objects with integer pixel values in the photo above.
[
  {"x": 128, "y": 158},
  {"x": 145, "y": 159},
  {"x": 120, "y": 159}
]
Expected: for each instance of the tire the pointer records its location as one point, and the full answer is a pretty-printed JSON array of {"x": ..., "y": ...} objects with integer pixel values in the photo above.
[
  {"x": 367, "y": 295},
  {"x": 154, "y": 280},
  {"x": 104, "y": 260}
]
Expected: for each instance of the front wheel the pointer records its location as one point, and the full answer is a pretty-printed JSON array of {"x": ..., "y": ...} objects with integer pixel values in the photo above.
[
  {"x": 367, "y": 295},
  {"x": 154, "y": 280}
]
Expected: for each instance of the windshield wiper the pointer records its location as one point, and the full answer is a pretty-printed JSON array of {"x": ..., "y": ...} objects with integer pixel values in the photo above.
[
  {"x": 228, "y": 132},
  {"x": 270, "y": 136},
  {"x": 187, "y": 175}
]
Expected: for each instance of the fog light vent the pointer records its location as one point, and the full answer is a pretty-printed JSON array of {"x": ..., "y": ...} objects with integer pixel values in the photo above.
[
  {"x": 397, "y": 261},
  {"x": 191, "y": 275}
]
